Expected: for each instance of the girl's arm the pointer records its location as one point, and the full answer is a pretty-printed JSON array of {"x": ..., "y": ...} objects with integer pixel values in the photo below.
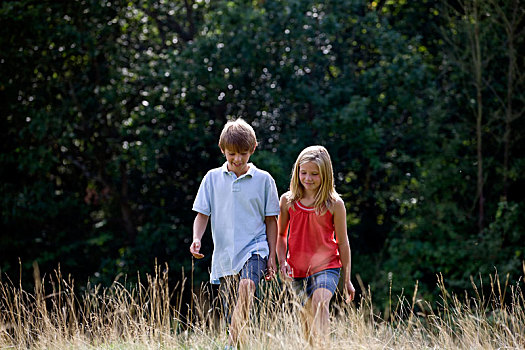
[
  {"x": 282, "y": 225},
  {"x": 344, "y": 247}
]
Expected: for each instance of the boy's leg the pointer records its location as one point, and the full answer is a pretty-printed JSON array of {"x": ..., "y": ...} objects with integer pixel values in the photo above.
[
  {"x": 216, "y": 305},
  {"x": 241, "y": 310},
  {"x": 227, "y": 297},
  {"x": 250, "y": 275}
]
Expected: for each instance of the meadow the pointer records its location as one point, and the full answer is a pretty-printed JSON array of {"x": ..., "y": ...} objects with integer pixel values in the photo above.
[{"x": 152, "y": 315}]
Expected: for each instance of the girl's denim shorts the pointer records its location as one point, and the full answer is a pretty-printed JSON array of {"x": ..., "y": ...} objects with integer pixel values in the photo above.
[{"x": 327, "y": 279}]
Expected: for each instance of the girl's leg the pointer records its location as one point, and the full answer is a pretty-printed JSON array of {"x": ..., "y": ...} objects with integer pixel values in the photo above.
[
  {"x": 319, "y": 312},
  {"x": 320, "y": 287}
]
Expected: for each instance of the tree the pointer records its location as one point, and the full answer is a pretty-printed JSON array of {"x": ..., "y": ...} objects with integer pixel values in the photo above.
[
  {"x": 113, "y": 113},
  {"x": 443, "y": 232}
]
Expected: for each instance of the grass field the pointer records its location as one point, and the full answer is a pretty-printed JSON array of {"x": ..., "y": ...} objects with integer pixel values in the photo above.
[{"x": 149, "y": 315}]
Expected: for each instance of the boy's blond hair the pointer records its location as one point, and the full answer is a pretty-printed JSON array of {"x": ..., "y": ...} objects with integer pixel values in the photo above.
[
  {"x": 326, "y": 195},
  {"x": 238, "y": 136}
]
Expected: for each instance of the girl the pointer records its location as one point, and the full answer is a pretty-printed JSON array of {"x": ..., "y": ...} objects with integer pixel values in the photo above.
[{"x": 312, "y": 244}]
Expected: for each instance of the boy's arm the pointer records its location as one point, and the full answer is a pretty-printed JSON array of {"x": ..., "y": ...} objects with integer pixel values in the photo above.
[
  {"x": 282, "y": 225},
  {"x": 199, "y": 226},
  {"x": 271, "y": 236},
  {"x": 344, "y": 248}
]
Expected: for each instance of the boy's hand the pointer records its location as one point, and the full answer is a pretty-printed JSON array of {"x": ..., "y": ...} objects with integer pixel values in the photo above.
[
  {"x": 270, "y": 269},
  {"x": 195, "y": 247}
]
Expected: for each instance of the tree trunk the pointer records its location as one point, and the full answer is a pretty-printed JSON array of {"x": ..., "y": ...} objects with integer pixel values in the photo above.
[
  {"x": 125, "y": 208},
  {"x": 477, "y": 66}
]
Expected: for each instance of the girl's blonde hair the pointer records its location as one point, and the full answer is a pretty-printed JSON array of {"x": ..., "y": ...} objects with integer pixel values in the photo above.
[{"x": 326, "y": 195}]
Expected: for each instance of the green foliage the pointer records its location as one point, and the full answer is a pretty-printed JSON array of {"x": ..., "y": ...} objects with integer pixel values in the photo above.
[
  {"x": 111, "y": 116},
  {"x": 439, "y": 235}
]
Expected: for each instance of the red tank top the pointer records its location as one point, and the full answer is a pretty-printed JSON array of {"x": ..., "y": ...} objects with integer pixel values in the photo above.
[{"x": 312, "y": 245}]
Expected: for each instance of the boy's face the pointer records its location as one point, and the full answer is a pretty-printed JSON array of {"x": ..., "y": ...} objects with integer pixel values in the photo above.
[{"x": 237, "y": 160}]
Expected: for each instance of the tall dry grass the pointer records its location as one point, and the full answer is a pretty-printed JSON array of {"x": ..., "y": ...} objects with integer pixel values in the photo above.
[{"x": 149, "y": 316}]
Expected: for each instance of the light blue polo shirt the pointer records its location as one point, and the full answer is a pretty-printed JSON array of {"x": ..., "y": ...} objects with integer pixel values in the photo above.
[{"x": 237, "y": 207}]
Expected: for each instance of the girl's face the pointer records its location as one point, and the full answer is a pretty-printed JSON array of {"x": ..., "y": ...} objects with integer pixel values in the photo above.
[{"x": 309, "y": 176}]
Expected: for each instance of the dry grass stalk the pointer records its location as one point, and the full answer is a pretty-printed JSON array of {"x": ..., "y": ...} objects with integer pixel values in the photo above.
[{"x": 149, "y": 316}]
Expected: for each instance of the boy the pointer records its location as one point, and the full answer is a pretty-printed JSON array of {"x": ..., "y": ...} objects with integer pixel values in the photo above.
[{"x": 243, "y": 204}]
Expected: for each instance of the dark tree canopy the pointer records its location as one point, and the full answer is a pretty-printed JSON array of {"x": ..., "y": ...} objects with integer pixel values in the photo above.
[{"x": 111, "y": 113}]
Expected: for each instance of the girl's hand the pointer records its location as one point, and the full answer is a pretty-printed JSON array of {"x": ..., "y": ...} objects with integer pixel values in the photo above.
[
  {"x": 285, "y": 271},
  {"x": 195, "y": 247},
  {"x": 349, "y": 291}
]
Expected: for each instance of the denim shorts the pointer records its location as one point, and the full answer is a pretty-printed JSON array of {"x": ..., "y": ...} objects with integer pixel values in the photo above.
[
  {"x": 327, "y": 279},
  {"x": 254, "y": 269}
]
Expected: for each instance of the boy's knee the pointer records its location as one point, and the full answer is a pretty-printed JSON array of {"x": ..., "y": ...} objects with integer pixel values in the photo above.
[{"x": 246, "y": 286}]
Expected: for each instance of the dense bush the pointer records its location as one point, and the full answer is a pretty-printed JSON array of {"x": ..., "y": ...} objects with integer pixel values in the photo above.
[{"x": 112, "y": 111}]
